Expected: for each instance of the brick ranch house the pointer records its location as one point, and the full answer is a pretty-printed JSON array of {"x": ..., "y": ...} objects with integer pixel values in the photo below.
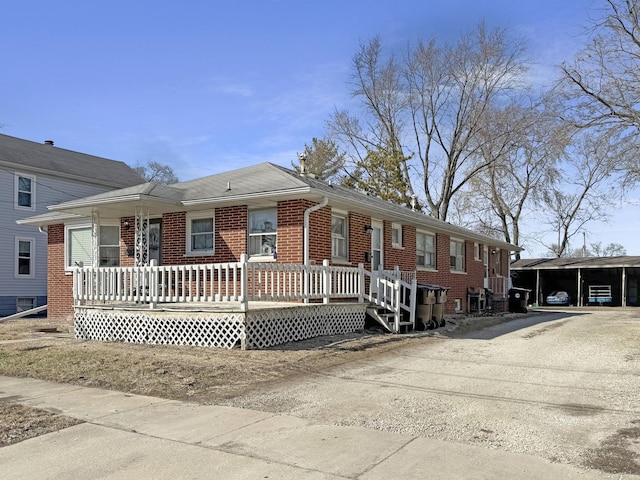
[{"x": 263, "y": 241}]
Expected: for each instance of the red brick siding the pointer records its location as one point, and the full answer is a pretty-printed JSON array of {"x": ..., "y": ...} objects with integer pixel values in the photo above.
[
  {"x": 127, "y": 241},
  {"x": 291, "y": 231},
  {"x": 320, "y": 235},
  {"x": 59, "y": 284},
  {"x": 359, "y": 240}
]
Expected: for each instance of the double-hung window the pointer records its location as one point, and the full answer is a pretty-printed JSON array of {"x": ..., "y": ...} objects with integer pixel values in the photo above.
[
  {"x": 25, "y": 192},
  {"x": 200, "y": 234},
  {"x": 109, "y": 246},
  {"x": 457, "y": 255},
  {"x": 425, "y": 250},
  {"x": 24, "y": 258},
  {"x": 339, "y": 237},
  {"x": 396, "y": 235},
  {"x": 79, "y": 246},
  {"x": 263, "y": 232}
]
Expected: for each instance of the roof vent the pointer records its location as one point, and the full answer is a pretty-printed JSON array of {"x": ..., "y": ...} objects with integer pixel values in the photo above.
[{"x": 48, "y": 142}]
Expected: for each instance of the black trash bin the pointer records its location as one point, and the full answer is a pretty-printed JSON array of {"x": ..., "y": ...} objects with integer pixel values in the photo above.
[{"x": 518, "y": 299}]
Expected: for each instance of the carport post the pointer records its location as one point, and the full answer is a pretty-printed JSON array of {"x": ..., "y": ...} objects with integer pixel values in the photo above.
[
  {"x": 579, "y": 302},
  {"x": 624, "y": 286}
]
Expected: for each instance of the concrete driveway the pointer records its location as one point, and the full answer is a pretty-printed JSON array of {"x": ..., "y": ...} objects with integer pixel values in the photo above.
[{"x": 559, "y": 385}]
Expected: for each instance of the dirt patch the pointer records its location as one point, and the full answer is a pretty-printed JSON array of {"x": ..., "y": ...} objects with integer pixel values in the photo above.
[
  {"x": 619, "y": 453},
  {"x": 18, "y": 423}
]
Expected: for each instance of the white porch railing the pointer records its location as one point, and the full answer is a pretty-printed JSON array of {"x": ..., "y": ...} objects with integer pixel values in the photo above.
[
  {"x": 499, "y": 286},
  {"x": 245, "y": 281},
  {"x": 239, "y": 282},
  {"x": 388, "y": 290}
]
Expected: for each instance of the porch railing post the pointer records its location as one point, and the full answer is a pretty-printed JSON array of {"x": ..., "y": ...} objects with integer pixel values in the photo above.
[
  {"x": 361, "y": 284},
  {"x": 153, "y": 283},
  {"x": 244, "y": 282},
  {"x": 326, "y": 281},
  {"x": 396, "y": 307}
]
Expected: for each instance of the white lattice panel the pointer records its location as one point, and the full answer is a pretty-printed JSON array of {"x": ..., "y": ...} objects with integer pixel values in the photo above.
[
  {"x": 266, "y": 328},
  {"x": 199, "y": 329}
]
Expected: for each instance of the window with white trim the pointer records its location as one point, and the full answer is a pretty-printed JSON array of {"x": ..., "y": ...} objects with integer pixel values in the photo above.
[
  {"x": 263, "y": 233},
  {"x": 24, "y": 257},
  {"x": 78, "y": 246},
  {"x": 425, "y": 250},
  {"x": 24, "y": 198},
  {"x": 396, "y": 235},
  {"x": 25, "y": 303},
  {"x": 476, "y": 251},
  {"x": 456, "y": 255},
  {"x": 109, "y": 246},
  {"x": 339, "y": 237},
  {"x": 200, "y": 234}
]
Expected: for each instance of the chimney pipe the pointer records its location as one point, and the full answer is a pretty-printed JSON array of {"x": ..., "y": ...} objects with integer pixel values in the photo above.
[
  {"x": 48, "y": 142},
  {"x": 303, "y": 159}
]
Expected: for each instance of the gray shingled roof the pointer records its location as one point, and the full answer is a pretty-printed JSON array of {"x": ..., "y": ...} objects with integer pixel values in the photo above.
[
  {"x": 52, "y": 160},
  {"x": 575, "y": 262},
  {"x": 267, "y": 180}
]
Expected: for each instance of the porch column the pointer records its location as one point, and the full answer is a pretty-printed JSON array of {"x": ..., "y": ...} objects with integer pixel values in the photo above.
[
  {"x": 95, "y": 239},
  {"x": 579, "y": 302},
  {"x": 538, "y": 297},
  {"x": 142, "y": 236},
  {"x": 624, "y": 286}
]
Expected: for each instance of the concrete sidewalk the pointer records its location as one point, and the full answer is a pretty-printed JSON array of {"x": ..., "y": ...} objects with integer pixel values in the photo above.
[{"x": 138, "y": 437}]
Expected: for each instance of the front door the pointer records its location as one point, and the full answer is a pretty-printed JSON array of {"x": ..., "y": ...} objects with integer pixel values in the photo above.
[
  {"x": 155, "y": 240},
  {"x": 377, "y": 242}
]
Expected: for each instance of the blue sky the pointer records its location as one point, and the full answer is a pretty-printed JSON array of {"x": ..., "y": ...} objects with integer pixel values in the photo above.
[{"x": 206, "y": 86}]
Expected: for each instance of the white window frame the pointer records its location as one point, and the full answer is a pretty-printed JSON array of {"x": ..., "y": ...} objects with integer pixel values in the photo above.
[
  {"x": 427, "y": 265},
  {"x": 336, "y": 238},
  {"x": 101, "y": 246},
  {"x": 32, "y": 258},
  {"x": 268, "y": 248},
  {"x": 200, "y": 216},
  {"x": 459, "y": 256},
  {"x": 33, "y": 301},
  {"x": 476, "y": 251},
  {"x": 32, "y": 192},
  {"x": 67, "y": 244},
  {"x": 396, "y": 235}
]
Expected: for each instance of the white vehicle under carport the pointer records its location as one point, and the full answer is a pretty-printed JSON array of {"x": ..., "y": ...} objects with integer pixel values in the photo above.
[{"x": 559, "y": 297}]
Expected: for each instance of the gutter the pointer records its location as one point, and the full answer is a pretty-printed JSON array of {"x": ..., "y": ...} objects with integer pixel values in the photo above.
[{"x": 307, "y": 215}]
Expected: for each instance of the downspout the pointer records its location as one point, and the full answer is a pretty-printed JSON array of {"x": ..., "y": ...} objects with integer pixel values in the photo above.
[{"x": 307, "y": 215}]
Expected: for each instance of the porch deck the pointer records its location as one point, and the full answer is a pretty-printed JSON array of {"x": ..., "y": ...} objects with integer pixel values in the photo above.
[{"x": 255, "y": 305}]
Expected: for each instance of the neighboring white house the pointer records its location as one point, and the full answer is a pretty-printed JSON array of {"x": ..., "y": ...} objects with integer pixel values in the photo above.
[{"x": 32, "y": 177}]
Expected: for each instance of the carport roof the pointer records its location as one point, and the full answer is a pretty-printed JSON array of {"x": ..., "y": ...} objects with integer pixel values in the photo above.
[{"x": 576, "y": 262}]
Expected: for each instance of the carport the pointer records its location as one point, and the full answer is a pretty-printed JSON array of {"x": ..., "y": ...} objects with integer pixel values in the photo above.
[{"x": 575, "y": 275}]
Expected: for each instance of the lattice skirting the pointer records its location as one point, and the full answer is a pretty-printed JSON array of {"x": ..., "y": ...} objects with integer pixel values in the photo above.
[
  {"x": 266, "y": 328},
  {"x": 255, "y": 329},
  {"x": 203, "y": 330}
]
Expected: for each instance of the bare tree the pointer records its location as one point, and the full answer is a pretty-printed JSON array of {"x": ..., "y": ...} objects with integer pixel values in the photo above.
[
  {"x": 428, "y": 109},
  {"x": 586, "y": 192},
  {"x": 522, "y": 164},
  {"x": 603, "y": 81},
  {"x": 157, "y": 172}
]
